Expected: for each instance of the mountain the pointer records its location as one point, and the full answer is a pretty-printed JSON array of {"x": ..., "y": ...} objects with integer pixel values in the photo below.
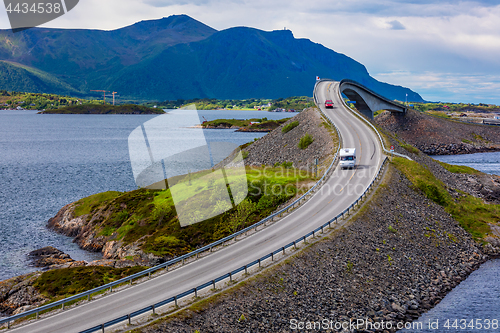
[{"x": 179, "y": 58}]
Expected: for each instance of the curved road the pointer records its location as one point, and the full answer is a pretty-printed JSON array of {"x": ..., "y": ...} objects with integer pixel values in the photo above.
[{"x": 343, "y": 188}]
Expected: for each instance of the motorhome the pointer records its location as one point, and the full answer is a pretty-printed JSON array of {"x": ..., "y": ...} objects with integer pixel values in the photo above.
[{"x": 347, "y": 158}]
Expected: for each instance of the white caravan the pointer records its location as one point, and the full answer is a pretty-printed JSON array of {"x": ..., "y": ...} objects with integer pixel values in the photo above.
[{"x": 347, "y": 158}]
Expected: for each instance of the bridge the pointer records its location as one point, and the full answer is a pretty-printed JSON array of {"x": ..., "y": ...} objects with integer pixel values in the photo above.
[{"x": 367, "y": 101}]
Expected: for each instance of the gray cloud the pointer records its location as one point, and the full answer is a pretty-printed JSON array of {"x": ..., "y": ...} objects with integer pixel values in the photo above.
[{"x": 396, "y": 25}]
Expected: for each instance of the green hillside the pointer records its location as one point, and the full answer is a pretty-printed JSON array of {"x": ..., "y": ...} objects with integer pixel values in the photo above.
[{"x": 17, "y": 77}]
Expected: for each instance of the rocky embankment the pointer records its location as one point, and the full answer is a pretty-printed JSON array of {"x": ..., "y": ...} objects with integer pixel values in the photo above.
[
  {"x": 279, "y": 147},
  {"x": 395, "y": 260},
  {"x": 82, "y": 228},
  {"x": 438, "y": 136}
]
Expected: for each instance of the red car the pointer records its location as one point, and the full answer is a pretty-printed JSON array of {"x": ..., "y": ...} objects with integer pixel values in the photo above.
[{"x": 328, "y": 103}]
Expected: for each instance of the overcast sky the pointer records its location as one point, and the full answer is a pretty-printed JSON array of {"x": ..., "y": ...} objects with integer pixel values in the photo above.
[{"x": 444, "y": 50}]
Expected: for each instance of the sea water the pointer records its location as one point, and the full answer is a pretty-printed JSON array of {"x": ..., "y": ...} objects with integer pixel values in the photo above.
[{"x": 48, "y": 161}]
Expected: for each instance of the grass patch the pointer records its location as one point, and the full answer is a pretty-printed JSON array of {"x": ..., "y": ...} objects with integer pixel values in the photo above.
[
  {"x": 305, "y": 141},
  {"x": 71, "y": 281},
  {"x": 466, "y": 141},
  {"x": 409, "y": 148},
  {"x": 459, "y": 168},
  {"x": 90, "y": 203},
  {"x": 472, "y": 213},
  {"x": 288, "y": 127}
]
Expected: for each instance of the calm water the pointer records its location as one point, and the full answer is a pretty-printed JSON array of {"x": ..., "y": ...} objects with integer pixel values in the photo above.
[
  {"x": 478, "y": 297},
  {"x": 48, "y": 161}
]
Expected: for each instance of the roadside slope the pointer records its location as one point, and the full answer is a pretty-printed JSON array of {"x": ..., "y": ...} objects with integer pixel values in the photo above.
[
  {"x": 279, "y": 147},
  {"x": 438, "y": 136}
]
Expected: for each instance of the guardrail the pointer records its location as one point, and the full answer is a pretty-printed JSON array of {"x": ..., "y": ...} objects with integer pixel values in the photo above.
[
  {"x": 229, "y": 275},
  {"x": 174, "y": 261}
]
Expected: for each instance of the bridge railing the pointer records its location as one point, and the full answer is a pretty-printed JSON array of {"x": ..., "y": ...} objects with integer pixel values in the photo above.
[{"x": 181, "y": 259}]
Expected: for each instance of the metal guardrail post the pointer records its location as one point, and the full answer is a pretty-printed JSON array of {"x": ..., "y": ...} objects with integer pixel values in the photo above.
[
  {"x": 102, "y": 328},
  {"x": 154, "y": 312},
  {"x": 196, "y": 292},
  {"x": 213, "y": 282},
  {"x": 129, "y": 320},
  {"x": 259, "y": 262},
  {"x": 175, "y": 297},
  {"x": 230, "y": 277}
]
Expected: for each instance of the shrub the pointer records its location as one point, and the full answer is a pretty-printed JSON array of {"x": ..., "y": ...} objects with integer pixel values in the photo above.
[
  {"x": 290, "y": 126},
  {"x": 305, "y": 141}
]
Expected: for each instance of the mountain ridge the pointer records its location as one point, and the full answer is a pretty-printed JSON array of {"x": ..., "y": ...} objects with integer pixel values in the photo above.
[{"x": 179, "y": 57}]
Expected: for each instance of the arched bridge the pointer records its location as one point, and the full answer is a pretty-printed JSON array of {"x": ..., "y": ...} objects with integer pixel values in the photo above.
[{"x": 368, "y": 101}]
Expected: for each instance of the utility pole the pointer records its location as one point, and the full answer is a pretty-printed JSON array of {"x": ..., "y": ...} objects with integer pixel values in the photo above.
[{"x": 104, "y": 94}]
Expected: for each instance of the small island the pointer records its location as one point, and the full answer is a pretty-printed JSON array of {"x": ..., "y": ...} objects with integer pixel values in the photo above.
[
  {"x": 245, "y": 125},
  {"x": 104, "y": 109}
]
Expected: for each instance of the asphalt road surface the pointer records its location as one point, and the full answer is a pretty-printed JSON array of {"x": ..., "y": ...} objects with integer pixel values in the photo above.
[{"x": 338, "y": 193}]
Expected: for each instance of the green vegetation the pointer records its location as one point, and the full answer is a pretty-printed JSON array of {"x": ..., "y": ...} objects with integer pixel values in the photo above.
[
  {"x": 459, "y": 168},
  {"x": 293, "y": 103},
  {"x": 60, "y": 283},
  {"x": 288, "y": 127},
  {"x": 262, "y": 124},
  {"x": 216, "y": 104},
  {"x": 289, "y": 103},
  {"x": 305, "y": 141},
  {"x": 86, "y": 205},
  {"x": 17, "y": 77},
  {"x": 32, "y": 101},
  {"x": 472, "y": 213},
  {"x": 105, "y": 109},
  {"x": 391, "y": 229},
  {"x": 349, "y": 266},
  {"x": 132, "y": 215},
  {"x": 454, "y": 110},
  {"x": 410, "y": 148}
]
